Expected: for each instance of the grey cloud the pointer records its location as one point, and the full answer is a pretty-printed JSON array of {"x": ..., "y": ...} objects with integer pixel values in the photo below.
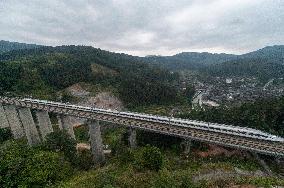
[{"x": 143, "y": 27}]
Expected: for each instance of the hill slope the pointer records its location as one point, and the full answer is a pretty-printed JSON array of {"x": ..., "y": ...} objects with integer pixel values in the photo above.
[
  {"x": 264, "y": 64},
  {"x": 190, "y": 60},
  {"x": 43, "y": 71},
  {"x": 272, "y": 52}
]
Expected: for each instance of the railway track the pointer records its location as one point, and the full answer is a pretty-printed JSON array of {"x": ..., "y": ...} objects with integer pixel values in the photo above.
[{"x": 226, "y": 139}]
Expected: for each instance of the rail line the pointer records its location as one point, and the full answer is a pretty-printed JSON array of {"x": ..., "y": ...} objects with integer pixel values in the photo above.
[{"x": 226, "y": 135}]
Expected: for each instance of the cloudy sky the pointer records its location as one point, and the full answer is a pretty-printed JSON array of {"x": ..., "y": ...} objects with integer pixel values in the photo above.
[{"x": 146, "y": 27}]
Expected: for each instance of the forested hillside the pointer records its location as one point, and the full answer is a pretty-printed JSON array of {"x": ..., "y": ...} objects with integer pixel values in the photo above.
[
  {"x": 262, "y": 68},
  {"x": 264, "y": 63},
  {"x": 190, "y": 60},
  {"x": 42, "y": 71},
  {"x": 6, "y": 46},
  {"x": 271, "y": 52}
]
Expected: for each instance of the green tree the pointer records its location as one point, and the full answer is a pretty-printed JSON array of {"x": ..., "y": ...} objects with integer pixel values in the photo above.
[
  {"x": 150, "y": 158},
  {"x": 45, "y": 168},
  {"x": 189, "y": 92},
  {"x": 60, "y": 141},
  {"x": 5, "y": 134},
  {"x": 23, "y": 166}
]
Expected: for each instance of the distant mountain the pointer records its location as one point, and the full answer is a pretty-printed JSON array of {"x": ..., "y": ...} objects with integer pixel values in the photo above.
[
  {"x": 262, "y": 68},
  {"x": 276, "y": 52},
  {"x": 190, "y": 60},
  {"x": 204, "y": 58},
  {"x": 265, "y": 63},
  {"x": 195, "y": 60},
  {"x": 6, "y": 46}
]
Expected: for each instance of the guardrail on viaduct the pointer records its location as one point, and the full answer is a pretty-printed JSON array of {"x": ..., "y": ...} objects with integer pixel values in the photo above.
[{"x": 16, "y": 114}]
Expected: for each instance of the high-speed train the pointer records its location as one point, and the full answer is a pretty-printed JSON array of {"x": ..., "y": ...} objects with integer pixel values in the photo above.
[{"x": 221, "y": 128}]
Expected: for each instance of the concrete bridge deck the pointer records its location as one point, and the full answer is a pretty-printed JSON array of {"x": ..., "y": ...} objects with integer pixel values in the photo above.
[{"x": 153, "y": 124}]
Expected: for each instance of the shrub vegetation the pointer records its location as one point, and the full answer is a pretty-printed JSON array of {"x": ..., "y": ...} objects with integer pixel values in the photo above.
[{"x": 22, "y": 166}]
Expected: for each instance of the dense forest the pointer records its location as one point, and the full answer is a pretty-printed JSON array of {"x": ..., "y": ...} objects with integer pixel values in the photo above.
[
  {"x": 261, "y": 68},
  {"x": 41, "y": 72},
  {"x": 264, "y": 64}
]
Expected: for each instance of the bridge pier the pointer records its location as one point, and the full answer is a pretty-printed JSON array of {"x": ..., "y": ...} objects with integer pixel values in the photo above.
[
  {"x": 3, "y": 119},
  {"x": 14, "y": 121},
  {"x": 185, "y": 145},
  {"x": 59, "y": 120},
  {"x": 263, "y": 164},
  {"x": 227, "y": 138},
  {"x": 29, "y": 126},
  {"x": 65, "y": 123},
  {"x": 96, "y": 142},
  {"x": 132, "y": 138},
  {"x": 280, "y": 163},
  {"x": 44, "y": 123}
]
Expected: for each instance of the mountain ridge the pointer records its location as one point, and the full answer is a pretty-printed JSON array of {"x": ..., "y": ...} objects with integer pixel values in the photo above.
[
  {"x": 270, "y": 49},
  {"x": 6, "y": 46},
  {"x": 265, "y": 63}
]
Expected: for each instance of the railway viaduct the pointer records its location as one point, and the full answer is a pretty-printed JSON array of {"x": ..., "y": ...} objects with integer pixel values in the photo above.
[{"x": 16, "y": 114}]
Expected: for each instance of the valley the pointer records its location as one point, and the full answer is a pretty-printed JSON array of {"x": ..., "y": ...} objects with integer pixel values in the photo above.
[
  {"x": 196, "y": 86},
  {"x": 141, "y": 94}
]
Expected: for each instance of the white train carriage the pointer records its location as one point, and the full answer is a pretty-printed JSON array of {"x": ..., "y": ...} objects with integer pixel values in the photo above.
[{"x": 221, "y": 128}]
